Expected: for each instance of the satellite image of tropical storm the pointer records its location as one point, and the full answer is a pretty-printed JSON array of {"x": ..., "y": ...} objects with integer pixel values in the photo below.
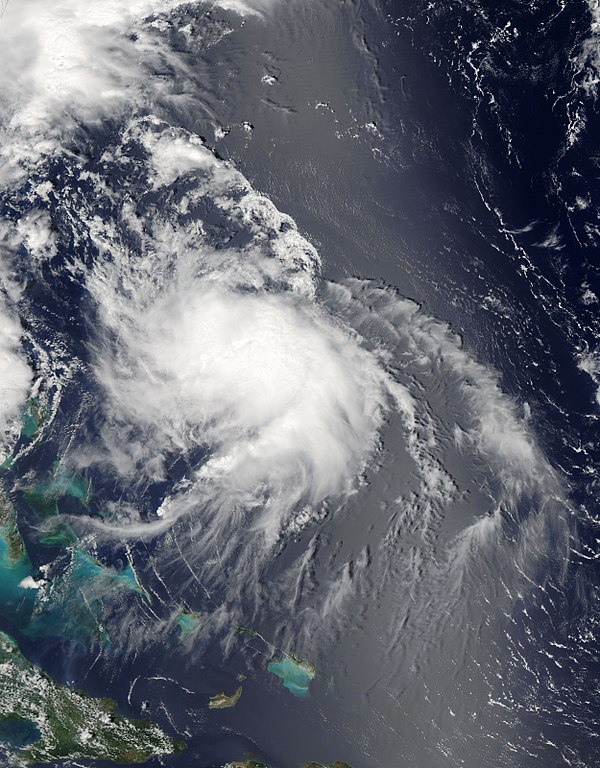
[{"x": 299, "y": 383}]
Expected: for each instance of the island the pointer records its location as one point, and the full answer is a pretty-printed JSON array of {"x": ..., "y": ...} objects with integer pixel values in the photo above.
[
  {"x": 44, "y": 498},
  {"x": 245, "y": 764},
  {"x": 33, "y": 416},
  {"x": 337, "y": 764},
  {"x": 255, "y": 764},
  {"x": 188, "y": 622},
  {"x": 42, "y": 721},
  {"x": 15, "y": 548},
  {"x": 72, "y": 603},
  {"x": 222, "y": 701},
  {"x": 17, "y": 598},
  {"x": 295, "y": 673}
]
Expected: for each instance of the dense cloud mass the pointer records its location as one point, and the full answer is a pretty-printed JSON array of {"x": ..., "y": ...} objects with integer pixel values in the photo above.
[
  {"x": 68, "y": 63},
  {"x": 16, "y": 378},
  {"x": 212, "y": 342},
  {"x": 287, "y": 403},
  {"x": 229, "y": 440},
  {"x": 224, "y": 350}
]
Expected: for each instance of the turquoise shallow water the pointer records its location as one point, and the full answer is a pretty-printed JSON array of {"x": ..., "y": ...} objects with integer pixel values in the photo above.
[
  {"x": 75, "y": 606},
  {"x": 43, "y": 499},
  {"x": 79, "y": 596},
  {"x": 188, "y": 621},
  {"x": 296, "y": 675},
  {"x": 16, "y": 602},
  {"x": 33, "y": 416}
]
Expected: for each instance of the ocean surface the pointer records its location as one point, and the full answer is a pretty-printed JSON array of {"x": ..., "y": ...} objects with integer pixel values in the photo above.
[{"x": 301, "y": 378}]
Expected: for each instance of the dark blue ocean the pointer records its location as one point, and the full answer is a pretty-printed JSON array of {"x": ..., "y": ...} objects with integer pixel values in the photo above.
[{"x": 311, "y": 315}]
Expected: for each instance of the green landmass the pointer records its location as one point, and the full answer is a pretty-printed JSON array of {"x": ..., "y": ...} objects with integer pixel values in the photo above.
[
  {"x": 246, "y": 631},
  {"x": 245, "y": 764},
  {"x": 33, "y": 415},
  {"x": 337, "y": 764},
  {"x": 16, "y": 571},
  {"x": 9, "y": 530},
  {"x": 8, "y": 462},
  {"x": 71, "y": 724},
  {"x": 222, "y": 701},
  {"x": 295, "y": 673}
]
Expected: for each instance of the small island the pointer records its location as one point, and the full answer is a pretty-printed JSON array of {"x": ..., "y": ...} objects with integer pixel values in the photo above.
[
  {"x": 255, "y": 764},
  {"x": 42, "y": 721},
  {"x": 337, "y": 764},
  {"x": 245, "y": 764},
  {"x": 222, "y": 701}
]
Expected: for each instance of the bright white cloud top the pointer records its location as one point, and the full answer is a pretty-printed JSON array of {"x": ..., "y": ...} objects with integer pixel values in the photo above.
[{"x": 217, "y": 344}]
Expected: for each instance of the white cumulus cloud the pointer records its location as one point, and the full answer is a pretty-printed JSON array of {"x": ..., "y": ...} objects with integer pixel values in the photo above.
[{"x": 15, "y": 378}]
